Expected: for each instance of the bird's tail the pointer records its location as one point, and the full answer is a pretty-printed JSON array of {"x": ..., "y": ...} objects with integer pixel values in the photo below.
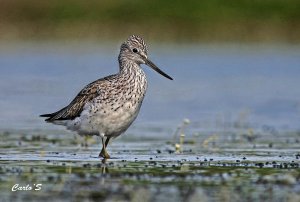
[
  {"x": 53, "y": 116},
  {"x": 49, "y": 116},
  {"x": 46, "y": 115}
]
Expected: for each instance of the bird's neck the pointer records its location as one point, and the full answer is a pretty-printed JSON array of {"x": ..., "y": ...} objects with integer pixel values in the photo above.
[
  {"x": 128, "y": 66},
  {"x": 132, "y": 72}
]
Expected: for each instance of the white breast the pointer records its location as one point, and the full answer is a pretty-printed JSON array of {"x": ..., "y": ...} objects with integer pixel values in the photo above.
[{"x": 101, "y": 118}]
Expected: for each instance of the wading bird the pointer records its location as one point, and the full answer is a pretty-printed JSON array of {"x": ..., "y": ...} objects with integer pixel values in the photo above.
[{"x": 108, "y": 106}]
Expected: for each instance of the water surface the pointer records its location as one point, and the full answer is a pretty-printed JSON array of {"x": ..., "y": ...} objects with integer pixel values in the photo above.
[
  {"x": 260, "y": 83},
  {"x": 241, "y": 141}
]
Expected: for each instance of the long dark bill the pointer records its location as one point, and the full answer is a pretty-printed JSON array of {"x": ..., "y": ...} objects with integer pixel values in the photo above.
[{"x": 153, "y": 66}]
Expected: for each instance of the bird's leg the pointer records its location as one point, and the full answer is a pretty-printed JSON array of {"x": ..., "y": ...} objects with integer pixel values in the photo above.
[
  {"x": 107, "y": 141},
  {"x": 103, "y": 152}
]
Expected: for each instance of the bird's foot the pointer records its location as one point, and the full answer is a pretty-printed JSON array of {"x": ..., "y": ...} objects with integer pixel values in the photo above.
[{"x": 104, "y": 154}]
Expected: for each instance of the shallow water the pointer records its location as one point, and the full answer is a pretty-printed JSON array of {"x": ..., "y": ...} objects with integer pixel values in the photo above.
[
  {"x": 230, "y": 168},
  {"x": 242, "y": 142}
]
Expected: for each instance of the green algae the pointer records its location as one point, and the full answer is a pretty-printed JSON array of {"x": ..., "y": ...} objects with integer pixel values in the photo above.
[{"x": 225, "y": 170}]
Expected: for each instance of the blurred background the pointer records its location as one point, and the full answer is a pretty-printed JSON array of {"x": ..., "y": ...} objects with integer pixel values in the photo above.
[
  {"x": 172, "y": 21},
  {"x": 231, "y": 60},
  {"x": 237, "y": 21}
]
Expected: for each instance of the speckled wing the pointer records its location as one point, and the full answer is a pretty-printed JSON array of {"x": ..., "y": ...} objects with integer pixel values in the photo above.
[{"x": 74, "y": 109}]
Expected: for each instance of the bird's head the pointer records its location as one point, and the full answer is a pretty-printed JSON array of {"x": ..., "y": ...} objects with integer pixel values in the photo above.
[{"x": 135, "y": 50}]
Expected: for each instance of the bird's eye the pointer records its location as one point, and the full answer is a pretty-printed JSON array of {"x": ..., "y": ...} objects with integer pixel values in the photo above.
[{"x": 134, "y": 50}]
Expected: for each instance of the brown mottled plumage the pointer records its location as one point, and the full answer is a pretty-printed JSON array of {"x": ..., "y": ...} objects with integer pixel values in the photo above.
[{"x": 108, "y": 106}]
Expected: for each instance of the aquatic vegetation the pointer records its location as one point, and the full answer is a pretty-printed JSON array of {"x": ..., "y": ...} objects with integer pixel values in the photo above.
[
  {"x": 236, "y": 170},
  {"x": 180, "y": 131}
]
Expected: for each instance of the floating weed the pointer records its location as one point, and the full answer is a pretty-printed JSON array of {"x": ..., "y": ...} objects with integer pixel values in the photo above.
[
  {"x": 236, "y": 168},
  {"x": 250, "y": 136},
  {"x": 88, "y": 140},
  {"x": 180, "y": 131},
  {"x": 210, "y": 140},
  {"x": 89, "y": 176},
  {"x": 42, "y": 153}
]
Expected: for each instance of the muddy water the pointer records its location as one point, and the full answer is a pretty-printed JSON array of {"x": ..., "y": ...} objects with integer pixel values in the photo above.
[
  {"x": 241, "y": 143},
  {"x": 230, "y": 167}
]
